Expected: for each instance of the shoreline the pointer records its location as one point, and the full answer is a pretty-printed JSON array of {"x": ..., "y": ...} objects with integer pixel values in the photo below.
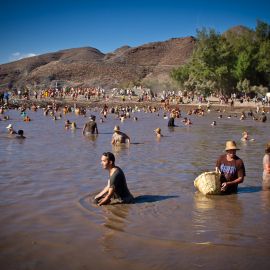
[{"x": 238, "y": 107}]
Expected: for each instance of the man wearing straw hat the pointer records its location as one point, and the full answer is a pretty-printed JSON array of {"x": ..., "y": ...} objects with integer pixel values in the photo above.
[
  {"x": 119, "y": 137},
  {"x": 232, "y": 169},
  {"x": 10, "y": 129}
]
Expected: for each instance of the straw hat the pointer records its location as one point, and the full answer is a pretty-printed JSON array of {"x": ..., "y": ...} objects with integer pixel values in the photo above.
[
  {"x": 9, "y": 126},
  {"x": 231, "y": 145},
  {"x": 116, "y": 128},
  {"x": 157, "y": 130}
]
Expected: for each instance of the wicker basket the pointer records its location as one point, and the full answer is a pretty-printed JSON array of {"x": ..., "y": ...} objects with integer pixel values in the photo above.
[{"x": 208, "y": 183}]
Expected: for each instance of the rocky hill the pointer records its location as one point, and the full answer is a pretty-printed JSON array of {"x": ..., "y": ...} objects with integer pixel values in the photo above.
[{"x": 90, "y": 67}]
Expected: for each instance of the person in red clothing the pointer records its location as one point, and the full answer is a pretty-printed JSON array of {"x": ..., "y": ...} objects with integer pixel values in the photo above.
[{"x": 232, "y": 169}]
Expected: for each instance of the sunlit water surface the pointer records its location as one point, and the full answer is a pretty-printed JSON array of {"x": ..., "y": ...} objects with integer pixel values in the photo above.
[{"x": 48, "y": 222}]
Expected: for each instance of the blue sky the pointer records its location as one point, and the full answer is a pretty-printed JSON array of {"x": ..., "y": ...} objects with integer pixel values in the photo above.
[{"x": 36, "y": 27}]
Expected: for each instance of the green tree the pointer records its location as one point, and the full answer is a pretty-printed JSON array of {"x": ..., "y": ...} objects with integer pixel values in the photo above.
[
  {"x": 229, "y": 61},
  {"x": 262, "y": 31}
]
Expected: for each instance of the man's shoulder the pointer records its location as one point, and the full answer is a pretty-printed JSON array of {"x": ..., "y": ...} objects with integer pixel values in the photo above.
[
  {"x": 222, "y": 157},
  {"x": 118, "y": 169},
  {"x": 238, "y": 160}
]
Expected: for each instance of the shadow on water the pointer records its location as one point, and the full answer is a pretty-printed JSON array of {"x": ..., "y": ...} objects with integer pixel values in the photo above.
[
  {"x": 152, "y": 198},
  {"x": 251, "y": 189}
]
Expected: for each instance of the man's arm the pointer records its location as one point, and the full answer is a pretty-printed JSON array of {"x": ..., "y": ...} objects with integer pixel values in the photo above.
[
  {"x": 266, "y": 163},
  {"x": 225, "y": 185},
  {"x": 101, "y": 193},
  {"x": 113, "y": 140},
  {"x": 107, "y": 198},
  {"x": 127, "y": 138}
]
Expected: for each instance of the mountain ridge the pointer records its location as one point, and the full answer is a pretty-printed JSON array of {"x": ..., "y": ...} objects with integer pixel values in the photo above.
[{"x": 87, "y": 66}]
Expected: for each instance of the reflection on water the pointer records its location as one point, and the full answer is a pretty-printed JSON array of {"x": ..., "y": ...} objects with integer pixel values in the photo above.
[{"x": 47, "y": 182}]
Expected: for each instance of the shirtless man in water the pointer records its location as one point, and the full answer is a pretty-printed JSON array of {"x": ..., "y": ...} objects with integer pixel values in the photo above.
[
  {"x": 90, "y": 127},
  {"x": 119, "y": 137}
]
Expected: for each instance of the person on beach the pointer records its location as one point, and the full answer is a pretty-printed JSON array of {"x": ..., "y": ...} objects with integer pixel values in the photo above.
[
  {"x": 90, "y": 127},
  {"x": 266, "y": 168},
  {"x": 116, "y": 191},
  {"x": 119, "y": 137},
  {"x": 10, "y": 129},
  {"x": 232, "y": 169}
]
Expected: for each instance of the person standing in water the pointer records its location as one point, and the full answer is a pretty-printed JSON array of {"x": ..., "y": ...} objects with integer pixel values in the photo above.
[
  {"x": 266, "y": 168},
  {"x": 232, "y": 169},
  {"x": 119, "y": 137},
  {"x": 90, "y": 127}
]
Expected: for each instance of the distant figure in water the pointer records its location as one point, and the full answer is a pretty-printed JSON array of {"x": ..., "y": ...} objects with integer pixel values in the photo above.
[
  {"x": 10, "y": 129},
  {"x": 245, "y": 137},
  {"x": 158, "y": 132},
  {"x": 90, "y": 127},
  {"x": 73, "y": 125},
  {"x": 171, "y": 120},
  {"x": 119, "y": 137},
  {"x": 214, "y": 123},
  {"x": 263, "y": 118},
  {"x": 67, "y": 124},
  {"x": 20, "y": 134},
  {"x": 266, "y": 168},
  {"x": 116, "y": 191}
]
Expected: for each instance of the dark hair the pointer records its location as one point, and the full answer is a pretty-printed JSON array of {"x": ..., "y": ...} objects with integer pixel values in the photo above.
[
  {"x": 110, "y": 156},
  {"x": 20, "y": 132},
  {"x": 267, "y": 148}
]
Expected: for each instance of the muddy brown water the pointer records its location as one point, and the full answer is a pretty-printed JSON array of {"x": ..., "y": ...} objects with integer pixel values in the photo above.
[{"x": 47, "y": 180}]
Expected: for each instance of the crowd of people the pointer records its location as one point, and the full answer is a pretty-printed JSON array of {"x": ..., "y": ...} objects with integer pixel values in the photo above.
[{"x": 230, "y": 165}]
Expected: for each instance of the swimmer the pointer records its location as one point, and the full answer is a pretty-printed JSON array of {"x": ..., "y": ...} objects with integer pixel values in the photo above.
[
  {"x": 188, "y": 122},
  {"x": 20, "y": 134},
  {"x": 73, "y": 125},
  {"x": 10, "y": 129},
  {"x": 245, "y": 137},
  {"x": 26, "y": 119},
  {"x": 158, "y": 132},
  {"x": 67, "y": 124}
]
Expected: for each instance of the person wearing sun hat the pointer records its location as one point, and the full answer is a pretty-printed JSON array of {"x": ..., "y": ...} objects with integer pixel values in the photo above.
[
  {"x": 119, "y": 137},
  {"x": 232, "y": 169},
  {"x": 10, "y": 129}
]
